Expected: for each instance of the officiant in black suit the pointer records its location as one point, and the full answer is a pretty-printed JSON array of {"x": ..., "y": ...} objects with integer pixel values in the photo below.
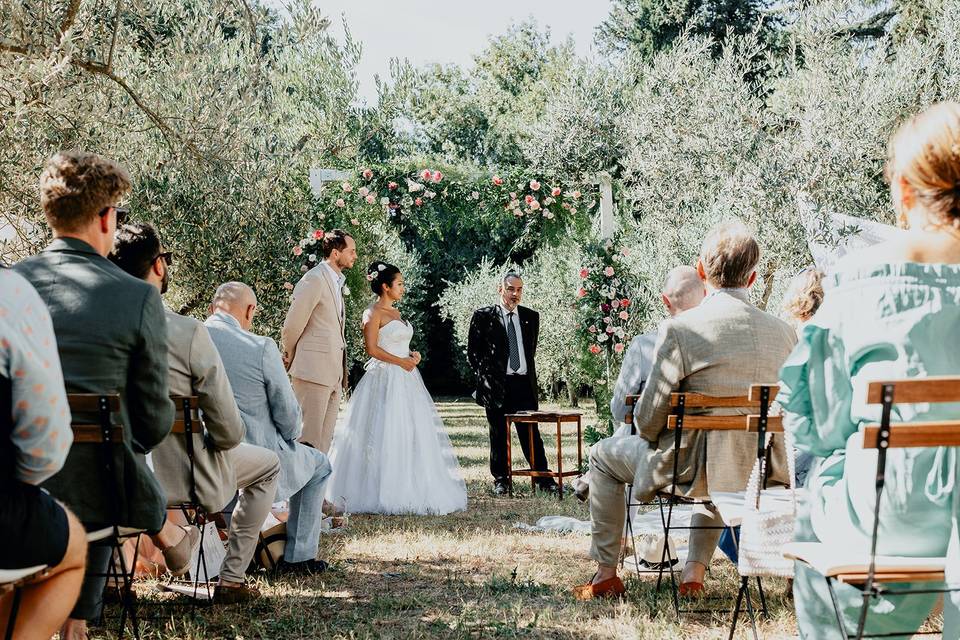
[{"x": 502, "y": 349}]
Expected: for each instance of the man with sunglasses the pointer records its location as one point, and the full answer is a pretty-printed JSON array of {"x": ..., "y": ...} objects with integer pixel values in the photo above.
[
  {"x": 224, "y": 463},
  {"x": 112, "y": 339}
]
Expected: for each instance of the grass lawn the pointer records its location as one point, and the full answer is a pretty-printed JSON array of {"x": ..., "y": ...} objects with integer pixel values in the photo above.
[{"x": 467, "y": 575}]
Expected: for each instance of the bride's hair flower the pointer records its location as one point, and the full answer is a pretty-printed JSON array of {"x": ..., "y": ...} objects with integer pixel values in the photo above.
[
  {"x": 370, "y": 277},
  {"x": 381, "y": 267}
]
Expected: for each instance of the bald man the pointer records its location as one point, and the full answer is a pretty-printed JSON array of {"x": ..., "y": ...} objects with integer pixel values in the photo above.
[
  {"x": 271, "y": 415},
  {"x": 682, "y": 290}
]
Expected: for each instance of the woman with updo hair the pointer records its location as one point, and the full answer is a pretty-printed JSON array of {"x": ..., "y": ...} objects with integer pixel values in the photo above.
[
  {"x": 890, "y": 311},
  {"x": 391, "y": 453}
]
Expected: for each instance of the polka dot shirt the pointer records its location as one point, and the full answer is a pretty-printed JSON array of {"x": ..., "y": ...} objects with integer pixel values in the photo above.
[{"x": 28, "y": 358}]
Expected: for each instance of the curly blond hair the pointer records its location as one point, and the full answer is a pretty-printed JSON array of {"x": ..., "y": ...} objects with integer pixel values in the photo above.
[
  {"x": 804, "y": 295},
  {"x": 75, "y": 186}
]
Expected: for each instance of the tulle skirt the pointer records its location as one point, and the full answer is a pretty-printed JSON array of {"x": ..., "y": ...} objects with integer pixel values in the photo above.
[{"x": 391, "y": 453}]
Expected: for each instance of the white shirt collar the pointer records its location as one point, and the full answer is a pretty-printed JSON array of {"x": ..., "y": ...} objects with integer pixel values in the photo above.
[
  {"x": 339, "y": 278},
  {"x": 505, "y": 312}
]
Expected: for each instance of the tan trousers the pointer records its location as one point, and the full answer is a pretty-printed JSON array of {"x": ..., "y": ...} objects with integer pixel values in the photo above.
[
  {"x": 614, "y": 463},
  {"x": 320, "y": 405},
  {"x": 258, "y": 470}
]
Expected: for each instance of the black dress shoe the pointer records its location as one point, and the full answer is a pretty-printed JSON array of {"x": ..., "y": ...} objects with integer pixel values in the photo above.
[
  {"x": 307, "y": 567},
  {"x": 501, "y": 488}
]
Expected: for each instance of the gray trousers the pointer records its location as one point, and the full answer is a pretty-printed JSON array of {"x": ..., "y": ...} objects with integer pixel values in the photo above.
[
  {"x": 614, "y": 463},
  {"x": 306, "y": 513},
  {"x": 257, "y": 470}
]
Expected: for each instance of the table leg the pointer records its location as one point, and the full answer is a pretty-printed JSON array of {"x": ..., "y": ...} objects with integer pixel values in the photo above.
[
  {"x": 533, "y": 456},
  {"x": 559, "y": 462},
  {"x": 579, "y": 447},
  {"x": 509, "y": 460}
]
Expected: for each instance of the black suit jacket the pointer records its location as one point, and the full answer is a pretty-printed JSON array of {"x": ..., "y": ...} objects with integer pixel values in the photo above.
[{"x": 488, "y": 352}]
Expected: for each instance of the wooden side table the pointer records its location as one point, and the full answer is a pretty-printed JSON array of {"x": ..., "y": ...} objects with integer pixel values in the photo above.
[{"x": 557, "y": 418}]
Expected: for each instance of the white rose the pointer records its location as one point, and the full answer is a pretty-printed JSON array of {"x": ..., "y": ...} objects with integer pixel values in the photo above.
[
  {"x": 602, "y": 337},
  {"x": 346, "y": 290}
]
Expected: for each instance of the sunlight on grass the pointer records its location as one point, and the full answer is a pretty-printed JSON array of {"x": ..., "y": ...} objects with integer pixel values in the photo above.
[{"x": 467, "y": 575}]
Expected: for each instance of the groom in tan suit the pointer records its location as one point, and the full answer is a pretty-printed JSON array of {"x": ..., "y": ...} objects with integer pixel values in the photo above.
[{"x": 314, "y": 346}]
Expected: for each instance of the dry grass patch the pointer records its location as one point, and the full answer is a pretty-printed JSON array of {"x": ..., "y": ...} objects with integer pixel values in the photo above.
[{"x": 468, "y": 575}]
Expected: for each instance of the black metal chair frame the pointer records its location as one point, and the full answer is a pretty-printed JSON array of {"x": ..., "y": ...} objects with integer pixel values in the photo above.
[
  {"x": 107, "y": 443},
  {"x": 763, "y": 456},
  {"x": 870, "y": 589},
  {"x": 193, "y": 511},
  {"x": 16, "y": 587}
]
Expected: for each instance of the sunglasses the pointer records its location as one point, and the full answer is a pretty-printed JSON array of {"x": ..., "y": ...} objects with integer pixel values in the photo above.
[
  {"x": 122, "y": 213},
  {"x": 167, "y": 257}
]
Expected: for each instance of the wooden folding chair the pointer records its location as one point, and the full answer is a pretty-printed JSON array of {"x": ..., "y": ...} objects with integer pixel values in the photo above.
[
  {"x": 107, "y": 434},
  {"x": 187, "y": 422},
  {"x": 760, "y": 423},
  {"x": 14, "y": 580},
  {"x": 868, "y": 572}
]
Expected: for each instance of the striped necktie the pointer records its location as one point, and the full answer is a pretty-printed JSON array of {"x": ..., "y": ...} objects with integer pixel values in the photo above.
[{"x": 514, "y": 346}]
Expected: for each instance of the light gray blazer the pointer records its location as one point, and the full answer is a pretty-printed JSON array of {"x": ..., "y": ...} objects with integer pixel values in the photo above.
[
  {"x": 265, "y": 398},
  {"x": 196, "y": 369},
  {"x": 718, "y": 348}
]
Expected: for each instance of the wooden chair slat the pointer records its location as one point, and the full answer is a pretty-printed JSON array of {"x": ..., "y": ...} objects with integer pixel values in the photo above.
[
  {"x": 942, "y": 433},
  {"x": 632, "y": 400},
  {"x": 774, "y": 424},
  {"x": 90, "y": 402},
  {"x": 91, "y": 433},
  {"x": 700, "y": 401},
  {"x": 709, "y": 423},
  {"x": 755, "y": 391},
  {"x": 931, "y": 389},
  {"x": 892, "y": 576}
]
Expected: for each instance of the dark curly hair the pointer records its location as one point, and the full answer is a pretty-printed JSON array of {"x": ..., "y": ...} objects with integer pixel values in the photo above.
[{"x": 381, "y": 274}]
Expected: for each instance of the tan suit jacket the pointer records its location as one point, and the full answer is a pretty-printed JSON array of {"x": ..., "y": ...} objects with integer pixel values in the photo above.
[
  {"x": 719, "y": 348},
  {"x": 313, "y": 338},
  {"x": 196, "y": 369}
]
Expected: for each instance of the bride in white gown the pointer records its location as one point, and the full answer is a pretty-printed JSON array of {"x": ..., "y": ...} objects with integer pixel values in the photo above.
[{"x": 391, "y": 453}]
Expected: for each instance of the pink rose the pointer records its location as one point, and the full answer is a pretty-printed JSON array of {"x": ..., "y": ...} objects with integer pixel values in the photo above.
[
  {"x": 625, "y": 252},
  {"x": 625, "y": 302},
  {"x": 535, "y": 206},
  {"x": 607, "y": 320},
  {"x": 555, "y": 192},
  {"x": 581, "y": 292},
  {"x": 535, "y": 185},
  {"x": 437, "y": 176},
  {"x": 371, "y": 199},
  {"x": 584, "y": 273},
  {"x": 367, "y": 174},
  {"x": 608, "y": 272},
  {"x": 618, "y": 347},
  {"x": 610, "y": 330},
  {"x": 615, "y": 304},
  {"x": 347, "y": 187},
  {"x": 497, "y": 180},
  {"x": 565, "y": 205},
  {"x": 318, "y": 234},
  {"x": 297, "y": 250},
  {"x": 354, "y": 222},
  {"x": 340, "y": 202},
  {"x": 518, "y": 213},
  {"x": 363, "y": 191},
  {"x": 595, "y": 349},
  {"x": 288, "y": 286},
  {"x": 418, "y": 201},
  {"x": 592, "y": 328},
  {"x": 528, "y": 199},
  {"x": 624, "y": 315},
  {"x": 573, "y": 209},
  {"x": 425, "y": 174},
  {"x": 513, "y": 195},
  {"x": 575, "y": 194},
  {"x": 392, "y": 185}
]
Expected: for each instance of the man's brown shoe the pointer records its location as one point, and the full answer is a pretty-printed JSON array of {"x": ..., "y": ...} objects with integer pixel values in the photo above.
[
  {"x": 234, "y": 595},
  {"x": 609, "y": 588}
]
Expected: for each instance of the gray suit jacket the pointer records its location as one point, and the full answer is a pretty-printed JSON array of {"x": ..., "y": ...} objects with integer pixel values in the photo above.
[
  {"x": 265, "y": 398},
  {"x": 112, "y": 338},
  {"x": 719, "y": 348},
  {"x": 196, "y": 369}
]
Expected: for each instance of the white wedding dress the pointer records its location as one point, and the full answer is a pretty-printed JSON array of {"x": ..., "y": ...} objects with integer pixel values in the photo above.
[{"x": 391, "y": 453}]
